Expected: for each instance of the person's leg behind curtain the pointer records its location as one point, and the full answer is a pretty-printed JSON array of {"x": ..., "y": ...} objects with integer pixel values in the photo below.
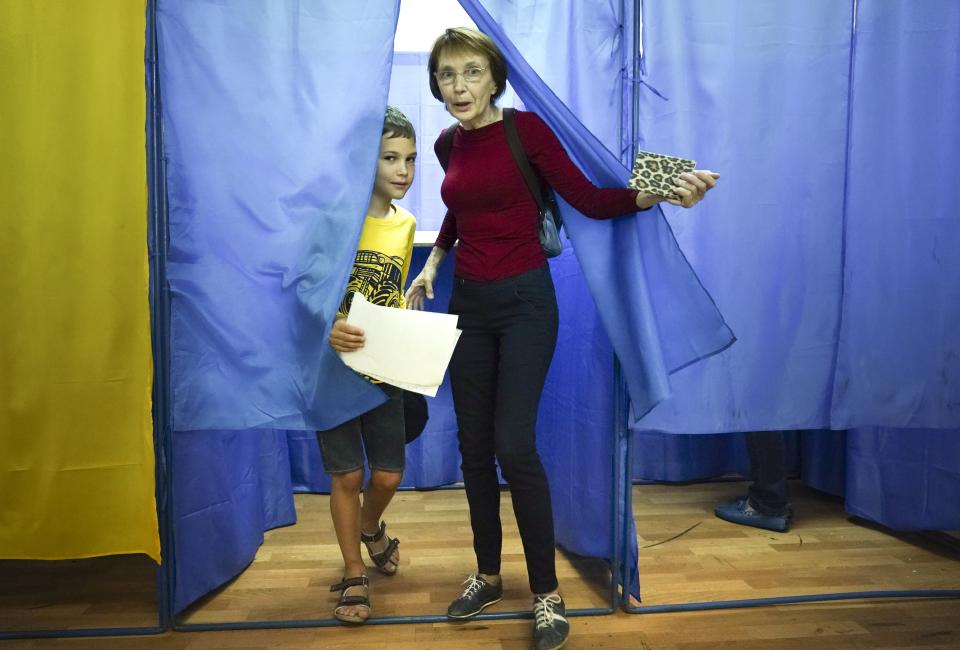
[
  {"x": 767, "y": 502},
  {"x": 768, "y": 465}
]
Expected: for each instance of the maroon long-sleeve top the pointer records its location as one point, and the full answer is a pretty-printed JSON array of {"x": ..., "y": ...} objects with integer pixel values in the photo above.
[{"x": 491, "y": 211}]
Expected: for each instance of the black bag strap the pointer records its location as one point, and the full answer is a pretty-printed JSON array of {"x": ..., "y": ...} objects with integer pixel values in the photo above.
[
  {"x": 520, "y": 157},
  {"x": 445, "y": 146}
]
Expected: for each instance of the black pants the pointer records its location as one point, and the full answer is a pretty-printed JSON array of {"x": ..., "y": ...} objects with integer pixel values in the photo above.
[
  {"x": 768, "y": 464},
  {"x": 497, "y": 374}
]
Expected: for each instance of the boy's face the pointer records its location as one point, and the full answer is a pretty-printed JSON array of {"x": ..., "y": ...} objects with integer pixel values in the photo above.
[{"x": 395, "y": 167}]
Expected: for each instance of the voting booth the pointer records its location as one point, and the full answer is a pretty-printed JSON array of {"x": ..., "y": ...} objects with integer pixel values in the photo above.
[{"x": 166, "y": 376}]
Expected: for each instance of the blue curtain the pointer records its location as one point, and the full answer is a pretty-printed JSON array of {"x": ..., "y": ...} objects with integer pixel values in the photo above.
[
  {"x": 823, "y": 459},
  {"x": 898, "y": 358},
  {"x": 904, "y": 479},
  {"x": 845, "y": 306},
  {"x": 272, "y": 119},
  {"x": 757, "y": 91},
  {"x": 672, "y": 458},
  {"x": 272, "y": 113},
  {"x": 228, "y": 487},
  {"x": 826, "y": 264}
]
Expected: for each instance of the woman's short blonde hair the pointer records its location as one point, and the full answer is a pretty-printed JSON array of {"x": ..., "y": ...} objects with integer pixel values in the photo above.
[{"x": 463, "y": 39}]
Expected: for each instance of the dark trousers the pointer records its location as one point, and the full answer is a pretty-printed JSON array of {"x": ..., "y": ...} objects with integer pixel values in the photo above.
[
  {"x": 768, "y": 464},
  {"x": 497, "y": 374}
]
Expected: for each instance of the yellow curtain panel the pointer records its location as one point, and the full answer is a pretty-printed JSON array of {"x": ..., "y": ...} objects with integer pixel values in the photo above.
[{"x": 76, "y": 447}]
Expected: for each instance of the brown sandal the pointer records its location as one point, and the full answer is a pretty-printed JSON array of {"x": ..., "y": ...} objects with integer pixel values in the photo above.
[
  {"x": 351, "y": 601},
  {"x": 383, "y": 558}
]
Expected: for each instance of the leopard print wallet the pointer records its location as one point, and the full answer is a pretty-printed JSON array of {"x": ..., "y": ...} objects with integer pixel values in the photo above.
[{"x": 655, "y": 173}]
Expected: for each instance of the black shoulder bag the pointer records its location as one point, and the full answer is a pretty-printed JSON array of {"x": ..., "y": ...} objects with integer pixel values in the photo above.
[{"x": 415, "y": 414}]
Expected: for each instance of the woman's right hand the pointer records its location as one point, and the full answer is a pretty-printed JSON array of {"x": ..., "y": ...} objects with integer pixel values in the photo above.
[
  {"x": 693, "y": 186},
  {"x": 421, "y": 288},
  {"x": 344, "y": 337}
]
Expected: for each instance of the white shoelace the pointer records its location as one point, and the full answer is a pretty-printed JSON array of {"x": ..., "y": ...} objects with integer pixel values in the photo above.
[
  {"x": 474, "y": 584},
  {"x": 543, "y": 609}
]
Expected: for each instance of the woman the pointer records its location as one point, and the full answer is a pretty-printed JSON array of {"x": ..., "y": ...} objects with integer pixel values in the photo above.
[{"x": 507, "y": 308}]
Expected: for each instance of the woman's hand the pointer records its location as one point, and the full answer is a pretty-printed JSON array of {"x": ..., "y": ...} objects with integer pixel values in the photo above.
[
  {"x": 691, "y": 187},
  {"x": 646, "y": 201},
  {"x": 344, "y": 337},
  {"x": 421, "y": 288}
]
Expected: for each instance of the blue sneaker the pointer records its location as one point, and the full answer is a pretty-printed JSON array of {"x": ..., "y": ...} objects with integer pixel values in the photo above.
[{"x": 741, "y": 512}]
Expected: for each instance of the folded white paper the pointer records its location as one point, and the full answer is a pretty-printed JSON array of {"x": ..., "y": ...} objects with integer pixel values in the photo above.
[{"x": 403, "y": 347}]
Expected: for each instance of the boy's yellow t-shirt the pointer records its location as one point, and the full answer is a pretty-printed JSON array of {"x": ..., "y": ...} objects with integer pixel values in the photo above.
[{"x": 383, "y": 260}]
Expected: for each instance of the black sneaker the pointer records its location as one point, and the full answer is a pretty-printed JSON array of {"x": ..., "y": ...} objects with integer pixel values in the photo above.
[
  {"x": 478, "y": 594},
  {"x": 551, "y": 628}
]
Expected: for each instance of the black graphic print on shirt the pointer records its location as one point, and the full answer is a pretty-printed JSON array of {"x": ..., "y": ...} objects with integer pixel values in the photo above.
[{"x": 377, "y": 277}]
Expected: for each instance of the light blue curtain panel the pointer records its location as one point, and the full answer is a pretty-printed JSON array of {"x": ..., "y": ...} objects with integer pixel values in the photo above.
[
  {"x": 758, "y": 92},
  {"x": 824, "y": 247},
  {"x": 898, "y": 357},
  {"x": 272, "y": 115}
]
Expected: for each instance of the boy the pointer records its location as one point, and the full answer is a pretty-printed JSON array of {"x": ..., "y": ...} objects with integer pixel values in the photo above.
[{"x": 379, "y": 272}]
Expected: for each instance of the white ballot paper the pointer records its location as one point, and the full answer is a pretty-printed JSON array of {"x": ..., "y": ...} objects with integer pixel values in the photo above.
[{"x": 406, "y": 348}]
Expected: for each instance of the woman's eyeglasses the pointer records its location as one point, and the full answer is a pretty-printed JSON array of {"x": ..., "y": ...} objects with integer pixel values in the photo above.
[{"x": 449, "y": 77}]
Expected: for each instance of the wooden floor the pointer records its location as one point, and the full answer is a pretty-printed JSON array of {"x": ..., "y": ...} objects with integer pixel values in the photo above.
[
  {"x": 686, "y": 555},
  {"x": 293, "y": 570},
  {"x": 825, "y": 550}
]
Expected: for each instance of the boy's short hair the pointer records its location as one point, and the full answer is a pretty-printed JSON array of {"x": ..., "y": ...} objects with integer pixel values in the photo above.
[{"x": 396, "y": 125}]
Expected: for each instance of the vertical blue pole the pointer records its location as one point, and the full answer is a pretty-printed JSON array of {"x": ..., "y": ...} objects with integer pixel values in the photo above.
[
  {"x": 622, "y": 410},
  {"x": 160, "y": 315}
]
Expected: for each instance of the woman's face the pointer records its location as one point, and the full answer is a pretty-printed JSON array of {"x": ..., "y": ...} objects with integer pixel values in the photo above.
[{"x": 468, "y": 101}]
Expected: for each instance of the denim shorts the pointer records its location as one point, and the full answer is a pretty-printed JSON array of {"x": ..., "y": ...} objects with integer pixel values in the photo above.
[{"x": 379, "y": 431}]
